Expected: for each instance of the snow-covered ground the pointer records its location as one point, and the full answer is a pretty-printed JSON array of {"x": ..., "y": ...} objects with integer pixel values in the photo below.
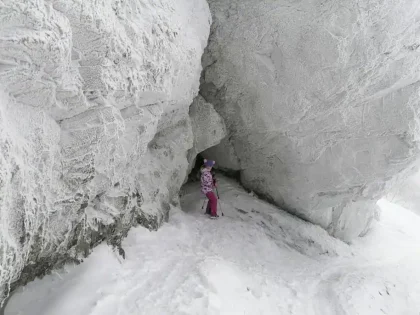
[{"x": 254, "y": 260}]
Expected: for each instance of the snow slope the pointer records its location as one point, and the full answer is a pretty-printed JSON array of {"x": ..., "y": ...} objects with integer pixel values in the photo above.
[{"x": 254, "y": 260}]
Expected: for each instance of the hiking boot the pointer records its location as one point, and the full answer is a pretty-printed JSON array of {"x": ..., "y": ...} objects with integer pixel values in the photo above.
[{"x": 214, "y": 216}]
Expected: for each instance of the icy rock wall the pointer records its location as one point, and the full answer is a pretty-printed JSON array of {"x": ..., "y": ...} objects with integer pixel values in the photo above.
[
  {"x": 321, "y": 100},
  {"x": 407, "y": 193},
  {"x": 94, "y": 125},
  {"x": 207, "y": 126}
]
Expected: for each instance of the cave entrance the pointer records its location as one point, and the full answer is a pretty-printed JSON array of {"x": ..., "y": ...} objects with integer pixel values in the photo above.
[{"x": 195, "y": 173}]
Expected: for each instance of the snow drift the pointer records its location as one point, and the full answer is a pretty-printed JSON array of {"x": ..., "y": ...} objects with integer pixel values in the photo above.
[
  {"x": 94, "y": 124},
  {"x": 320, "y": 99},
  {"x": 256, "y": 259}
]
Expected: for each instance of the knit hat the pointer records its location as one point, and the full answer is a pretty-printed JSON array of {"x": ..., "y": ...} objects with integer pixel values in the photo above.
[{"x": 209, "y": 163}]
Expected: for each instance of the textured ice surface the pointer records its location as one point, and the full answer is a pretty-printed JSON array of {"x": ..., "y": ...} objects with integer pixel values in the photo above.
[
  {"x": 321, "y": 100},
  {"x": 94, "y": 125},
  {"x": 407, "y": 193},
  {"x": 207, "y": 126}
]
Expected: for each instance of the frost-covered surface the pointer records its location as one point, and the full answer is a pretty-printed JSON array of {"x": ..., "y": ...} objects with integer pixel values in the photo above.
[
  {"x": 321, "y": 99},
  {"x": 407, "y": 193},
  {"x": 207, "y": 126},
  {"x": 94, "y": 125},
  {"x": 254, "y": 260}
]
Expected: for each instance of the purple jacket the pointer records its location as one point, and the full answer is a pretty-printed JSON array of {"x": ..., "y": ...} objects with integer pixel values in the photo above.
[{"x": 206, "y": 181}]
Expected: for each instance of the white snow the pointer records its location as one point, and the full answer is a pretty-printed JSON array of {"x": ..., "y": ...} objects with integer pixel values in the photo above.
[
  {"x": 208, "y": 129},
  {"x": 254, "y": 260}
]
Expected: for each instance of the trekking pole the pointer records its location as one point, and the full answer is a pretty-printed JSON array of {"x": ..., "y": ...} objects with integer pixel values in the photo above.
[
  {"x": 220, "y": 204},
  {"x": 204, "y": 201}
]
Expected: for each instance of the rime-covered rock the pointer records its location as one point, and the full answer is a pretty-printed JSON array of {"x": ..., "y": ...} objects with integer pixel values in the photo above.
[
  {"x": 407, "y": 193},
  {"x": 94, "y": 125},
  {"x": 321, "y": 100},
  {"x": 207, "y": 126}
]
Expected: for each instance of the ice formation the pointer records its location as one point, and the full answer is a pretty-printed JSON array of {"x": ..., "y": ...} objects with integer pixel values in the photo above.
[
  {"x": 208, "y": 128},
  {"x": 94, "y": 124},
  {"x": 321, "y": 100}
]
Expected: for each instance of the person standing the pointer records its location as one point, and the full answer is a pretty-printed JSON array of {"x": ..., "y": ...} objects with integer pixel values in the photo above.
[{"x": 207, "y": 187}]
